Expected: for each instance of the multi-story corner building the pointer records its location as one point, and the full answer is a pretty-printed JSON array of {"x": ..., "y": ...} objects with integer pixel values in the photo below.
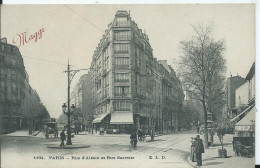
[
  {"x": 13, "y": 81},
  {"x": 130, "y": 88},
  {"x": 232, "y": 84},
  {"x": 81, "y": 97},
  {"x": 16, "y": 92}
]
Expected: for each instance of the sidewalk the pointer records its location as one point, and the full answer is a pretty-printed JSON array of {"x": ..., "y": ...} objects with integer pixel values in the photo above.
[
  {"x": 23, "y": 133},
  {"x": 210, "y": 158}
]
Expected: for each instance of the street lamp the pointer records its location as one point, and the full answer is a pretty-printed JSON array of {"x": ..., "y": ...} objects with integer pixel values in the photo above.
[
  {"x": 64, "y": 107},
  {"x": 71, "y": 73}
]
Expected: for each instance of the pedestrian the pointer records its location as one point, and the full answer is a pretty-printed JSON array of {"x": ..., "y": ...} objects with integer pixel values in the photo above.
[
  {"x": 193, "y": 154},
  {"x": 56, "y": 133},
  {"x": 47, "y": 132},
  {"x": 199, "y": 149},
  {"x": 198, "y": 128},
  {"x": 62, "y": 138},
  {"x": 133, "y": 139}
]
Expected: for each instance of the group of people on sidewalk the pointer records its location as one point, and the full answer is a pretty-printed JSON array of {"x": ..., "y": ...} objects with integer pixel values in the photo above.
[{"x": 197, "y": 149}]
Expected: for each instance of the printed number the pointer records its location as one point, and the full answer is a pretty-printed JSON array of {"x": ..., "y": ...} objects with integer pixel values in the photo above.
[{"x": 38, "y": 157}]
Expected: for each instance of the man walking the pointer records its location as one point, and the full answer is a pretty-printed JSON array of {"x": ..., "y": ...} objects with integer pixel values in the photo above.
[
  {"x": 63, "y": 138},
  {"x": 133, "y": 139},
  {"x": 199, "y": 149}
]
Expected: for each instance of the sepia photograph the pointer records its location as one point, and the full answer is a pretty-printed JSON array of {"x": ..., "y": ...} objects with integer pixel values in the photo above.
[{"x": 127, "y": 85}]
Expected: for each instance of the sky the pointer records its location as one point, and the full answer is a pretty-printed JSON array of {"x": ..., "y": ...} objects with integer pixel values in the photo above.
[{"x": 74, "y": 31}]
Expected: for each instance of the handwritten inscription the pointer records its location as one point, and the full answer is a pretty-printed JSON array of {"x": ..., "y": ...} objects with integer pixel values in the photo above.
[{"x": 23, "y": 38}]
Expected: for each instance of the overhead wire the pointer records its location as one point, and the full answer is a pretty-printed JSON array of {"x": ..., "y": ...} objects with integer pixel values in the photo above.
[{"x": 85, "y": 19}]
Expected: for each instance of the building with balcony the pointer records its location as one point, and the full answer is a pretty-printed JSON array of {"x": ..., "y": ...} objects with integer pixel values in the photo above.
[
  {"x": 16, "y": 93},
  {"x": 131, "y": 89}
]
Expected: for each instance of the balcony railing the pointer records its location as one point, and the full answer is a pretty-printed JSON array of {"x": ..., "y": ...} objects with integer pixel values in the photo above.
[
  {"x": 121, "y": 109},
  {"x": 122, "y": 66},
  {"x": 121, "y": 52},
  {"x": 122, "y": 37},
  {"x": 120, "y": 95},
  {"x": 122, "y": 24},
  {"x": 121, "y": 80}
]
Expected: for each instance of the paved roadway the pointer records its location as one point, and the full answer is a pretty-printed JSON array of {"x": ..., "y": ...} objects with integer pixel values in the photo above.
[{"x": 171, "y": 150}]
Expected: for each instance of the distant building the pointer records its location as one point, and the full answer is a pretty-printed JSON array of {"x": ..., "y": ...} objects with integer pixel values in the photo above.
[
  {"x": 81, "y": 97},
  {"x": 232, "y": 84},
  {"x": 242, "y": 95},
  {"x": 130, "y": 88}
]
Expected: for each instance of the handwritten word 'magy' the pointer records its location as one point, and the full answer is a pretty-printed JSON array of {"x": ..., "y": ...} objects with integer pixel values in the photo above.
[{"x": 25, "y": 37}]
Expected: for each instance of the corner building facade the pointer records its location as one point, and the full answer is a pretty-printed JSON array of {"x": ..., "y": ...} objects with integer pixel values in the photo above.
[{"x": 130, "y": 88}]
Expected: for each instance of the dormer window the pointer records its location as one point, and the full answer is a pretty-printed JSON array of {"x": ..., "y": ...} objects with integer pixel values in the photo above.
[
  {"x": 121, "y": 21},
  {"x": 13, "y": 50},
  {"x": 2, "y": 47}
]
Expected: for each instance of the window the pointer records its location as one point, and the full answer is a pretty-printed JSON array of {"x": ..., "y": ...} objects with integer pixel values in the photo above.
[
  {"x": 3, "y": 87},
  {"x": 122, "y": 77},
  {"x": 99, "y": 84},
  {"x": 3, "y": 73},
  {"x": 122, "y": 35},
  {"x": 121, "y": 48},
  {"x": 148, "y": 70},
  {"x": 2, "y": 60},
  {"x": 107, "y": 92},
  {"x": 121, "y": 21},
  {"x": 13, "y": 75},
  {"x": 106, "y": 59},
  {"x": 106, "y": 80},
  {"x": 122, "y": 91},
  {"x": 2, "y": 47},
  {"x": 13, "y": 62},
  {"x": 13, "y": 50},
  {"x": 121, "y": 106},
  {"x": 122, "y": 62}
]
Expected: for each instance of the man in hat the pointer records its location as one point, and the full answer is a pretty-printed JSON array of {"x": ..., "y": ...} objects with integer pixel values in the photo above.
[
  {"x": 62, "y": 138},
  {"x": 199, "y": 149}
]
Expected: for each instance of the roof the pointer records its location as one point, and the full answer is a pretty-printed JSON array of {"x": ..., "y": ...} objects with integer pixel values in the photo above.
[{"x": 251, "y": 72}]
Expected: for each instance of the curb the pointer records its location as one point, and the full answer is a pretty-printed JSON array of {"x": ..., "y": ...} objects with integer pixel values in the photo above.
[{"x": 67, "y": 147}]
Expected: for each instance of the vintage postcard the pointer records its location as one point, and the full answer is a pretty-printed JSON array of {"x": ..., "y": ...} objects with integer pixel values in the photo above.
[{"x": 127, "y": 86}]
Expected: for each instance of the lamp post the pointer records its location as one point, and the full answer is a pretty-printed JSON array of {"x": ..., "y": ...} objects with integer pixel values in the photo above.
[
  {"x": 64, "y": 107},
  {"x": 71, "y": 73}
]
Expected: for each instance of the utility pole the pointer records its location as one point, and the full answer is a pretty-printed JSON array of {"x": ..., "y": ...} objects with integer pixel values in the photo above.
[
  {"x": 71, "y": 74},
  {"x": 69, "y": 130}
]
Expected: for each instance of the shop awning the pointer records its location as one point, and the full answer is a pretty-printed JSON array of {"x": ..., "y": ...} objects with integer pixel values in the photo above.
[
  {"x": 99, "y": 118},
  {"x": 247, "y": 120},
  {"x": 122, "y": 118},
  {"x": 236, "y": 117}
]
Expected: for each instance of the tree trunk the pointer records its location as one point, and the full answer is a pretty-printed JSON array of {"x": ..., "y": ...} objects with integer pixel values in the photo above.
[{"x": 206, "y": 126}]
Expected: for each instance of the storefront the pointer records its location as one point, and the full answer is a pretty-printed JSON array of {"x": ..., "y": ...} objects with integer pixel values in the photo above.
[{"x": 123, "y": 121}]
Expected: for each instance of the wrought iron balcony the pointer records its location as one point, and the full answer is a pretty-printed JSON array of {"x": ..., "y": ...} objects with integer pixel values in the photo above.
[
  {"x": 121, "y": 80},
  {"x": 122, "y": 66},
  {"x": 120, "y": 95}
]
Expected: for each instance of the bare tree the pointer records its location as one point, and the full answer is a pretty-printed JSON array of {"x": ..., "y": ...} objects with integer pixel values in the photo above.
[{"x": 202, "y": 69}]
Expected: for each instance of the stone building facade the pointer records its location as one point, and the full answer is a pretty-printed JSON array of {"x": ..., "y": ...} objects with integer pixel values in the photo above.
[
  {"x": 17, "y": 98},
  {"x": 130, "y": 88}
]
